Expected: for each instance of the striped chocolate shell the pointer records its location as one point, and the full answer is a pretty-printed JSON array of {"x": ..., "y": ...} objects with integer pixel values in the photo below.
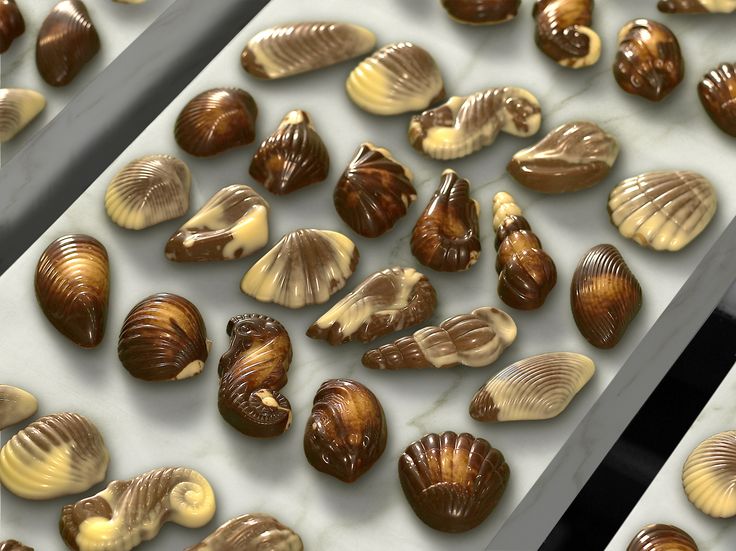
[
  {"x": 252, "y": 532},
  {"x": 15, "y": 405},
  {"x": 662, "y": 537},
  {"x": 481, "y": 12},
  {"x": 696, "y": 6},
  {"x": 18, "y": 107},
  {"x": 717, "y": 92},
  {"x": 709, "y": 475},
  {"x": 12, "y": 24}
]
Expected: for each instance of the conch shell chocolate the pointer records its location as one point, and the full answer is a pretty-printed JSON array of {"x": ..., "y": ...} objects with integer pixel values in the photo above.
[
  {"x": 709, "y": 475},
  {"x": 481, "y": 12},
  {"x": 252, "y": 532},
  {"x": 18, "y": 107},
  {"x": 696, "y": 6},
  {"x": 564, "y": 34},
  {"x": 16, "y": 405},
  {"x": 662, "y": 537},
  {"x": 12, "y": 24},
  {"x": 717, "y": 92}
]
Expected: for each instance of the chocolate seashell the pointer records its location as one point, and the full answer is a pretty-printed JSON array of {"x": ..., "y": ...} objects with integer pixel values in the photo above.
[
  {"x": 538, "y": 387},
  {"x": 67, "y": 41},
  {"x": 57, "y": 455},
  {"x": 216, "y": 120},
  {"x": 662, "y": 537},
  {"x": 129, "y": 512},
  {"x": 696, "y": 6},
  {"x": 476, "y": 340},
  {"x": 605, "y": 296},
  {"x": 148, "y": 191},
  {"x": 14, "y": 545},
  {"x": 481, "y": 12},
  {"x": 18, "y": 107},
  {"x": 231, "y": 225},
  {"x": 346, "y": 431},
  {"x": 387, "y": 301},
  {"x": 73, "y": 286},
  {"x": 398, "y": 78},
  {"x": 563, "y": 32},
  {"x": 291, "y": 158},
  {"x": 374, "y": 192},
  {"x": 465, "y": 124},
  {"x": 12, "y": 24},
  {"x": 709, "y": 475},
  {"x": 573, "y": 156},
  {"x": 253, "y": 532},
  {"x": 163, "y": 339},
  {"x": 305, "y": 267},
  {"x": 453, "y": 482},
  {"x": 252, "y": 371},
  {"x": 286, "y": 50},
  {"x": 130, "y": 1},
  {"x": 15, "y": 405},
  {"x": 717, "y": 92}
]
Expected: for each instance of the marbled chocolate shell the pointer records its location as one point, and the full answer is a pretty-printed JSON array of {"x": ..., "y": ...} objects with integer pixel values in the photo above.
[
  {"x": 216, "y": 120},
  {"x": 286, "y": 50},
  {"x": 696, "y": 6},
  {"x": 709, "y": 475},
  {"x": 662, "y": 537},
  {"x": 396, "y": 79},
  {"x": 67, "y": 41},
  {"x": 481, "y": 12},
  {"x": 14, "y": 545},
  {"x": 605, "y": 296},
  {"x": 57, "y": 455},
  {"x": 18, "y": 107},
  {"x": 72, "y": 287},
  {"x": 374, "y": 192},
  {"x": 252, "y": 532},
  {"x": 15, "y": 405},
  {"x": 453, "y": 482},
  {"x": 148, "y": 191},
  {"x": 563, "y": 32},
  {"x": 12, "y": 24},
  {"x": 663, "y": 210},
  {"x": 163, "y": 339},
  {"x": 306, "y": 267},
  {"x": 717, "y": 92}
]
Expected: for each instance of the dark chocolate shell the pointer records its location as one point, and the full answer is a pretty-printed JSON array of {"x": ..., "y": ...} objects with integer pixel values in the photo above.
[
  {"x": 18, "y": 107},
  {"x": 709, "y": 475},
  {"x": 12, "y": 24},
  {"x": 15, "y": 405},
  {"x": 696, "y": 6},
  {"x": 14, "y": 545},
  {"x": 662, "y": 537},
  {"x": 252, "y": 532},
  {"x": 717, "y": 92},
  {"x": 481, "y": 12},
  {"x": 563, "y": 32}
]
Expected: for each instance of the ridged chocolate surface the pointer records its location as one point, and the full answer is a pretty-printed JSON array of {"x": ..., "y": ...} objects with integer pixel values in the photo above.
[
  {"x": 18, "y": 107},
  {"x": 662, "y": 537},
  {"x": 16, "y": 405},
  {"x": 72, "y": 287},
  {"x": 564, "y": 34},
  {"x": 346, "y": 431},
  {"x": 14, "y": 545},
  {"x": 697, "y": 6},
  {"x": 12, "y": 24},
  {"x": 717, "y": 92},
  {"x": 252, "y": 532},
  {"x": 709, "y": 475},
  {"x": 481, "y": 12},
  {"x": 453, "y": 482}
]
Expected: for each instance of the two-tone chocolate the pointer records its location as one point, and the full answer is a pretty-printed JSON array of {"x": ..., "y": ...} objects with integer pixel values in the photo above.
[
  {"x": 481, "y": 12},
  {"x": 709, "y": 475},
  {"x": 563, "y": 32},
  {"x": 12, "y": 24},
  {"x": 717, "y": 92},
  {"x": 696, "y": 6},
  {"x": 18, "y": 107},
  {"x": 251, "y": 532},
  {"x": 662, "y": 537},
  {"x": 16, "y": 405}
]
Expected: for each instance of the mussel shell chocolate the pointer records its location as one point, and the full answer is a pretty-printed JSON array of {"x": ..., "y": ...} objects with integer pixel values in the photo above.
[
  {"x": 18, "y": 107},
  {"x": 481, "y": 12},
  {"x": 16, "y": 405},
  {"x": 564, "y": 34},
  {"x": 12, "y": 24},
  {"x": 662, "y": 537},
  {"x": 252, "y": 532},
  {"x": 709, "y": 475},
  {"x": 717, "y": 92},
  {"x": 696, "y": 6}
]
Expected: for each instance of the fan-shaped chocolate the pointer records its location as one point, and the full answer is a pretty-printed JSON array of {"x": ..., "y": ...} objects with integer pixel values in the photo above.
[
  {"x": 564, "y": 34},
  {"x": 717, "y": 92},
  {"x": 662, "y": 537},
  {"x": 16, "y": 405},
  {"x": 481, "y": 12},
  {"x": 12, "y": 24},
  {"x": 252, "y": 532},
  {"x": 18, "y": 107},
  {"x": 709, "y": 475}
]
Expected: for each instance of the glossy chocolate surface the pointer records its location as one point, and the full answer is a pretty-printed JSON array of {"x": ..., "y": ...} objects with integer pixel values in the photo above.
[
  {"x": 252, "y": 532},
  {"x": 481, "y": 12},
  {"x": 14, "y": 545},
  {"x": 696, "y": 6},
  {"x": 662, "y": 537},
  {"x": 12, "y": 24},
  {"x": 564, "y": 32},
  {"x": 18, "y": 107},
  {"x": 16, "y": 405},
  {"x": 717, "y": 92},
  {"x": 709, "y": 475}
]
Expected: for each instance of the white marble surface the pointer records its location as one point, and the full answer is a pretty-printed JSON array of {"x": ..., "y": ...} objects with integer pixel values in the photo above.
[{"x": 150, "y": 425}]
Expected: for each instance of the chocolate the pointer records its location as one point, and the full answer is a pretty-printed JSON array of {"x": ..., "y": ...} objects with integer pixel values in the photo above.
[
  {"x": 231, "y": 225},
  {"x": 465, "y": 124},
  {"x": 73, "y": 286},
  {"x": 287, "y": 50},
  {"x": 293, "y": 157},
  {"x": 604, "y": 295},
  {"x": 453, "y": 482},
  {"x": 148, "y": 191},
  {"x": 387, "y": 301},
  {"x": 447, "y": 237},
  {"x": 12, "y": 24},
  {"x": 717, "y": 92},
  {"x": 18, "y": 107},
  {"x": 398, "y": 78},
  {"x": 563, "y": 32},
  {"x": 129, "y": 512},
  {"x": 481, "y": 12},
  {"x": 130, "y": 1},
  {"x": 253, "y": 532},
  {"x": 662, "y": 537},
  {"x": 163, "y": 339},
  {"x": 709, "y": 475},
  {"x": 57, "y": 455},
  {"x": 573, "y": 156},
  {"x": 476, "y": 340},
  {"x": 15, "y": 405},
  {"x": 696, "y": 6},
  {"x": 14, "y": 545},
  {"x": 67, "y": 41},
  {"x": 304, "y": 267},
  {"x": 252, "y": 371},
  {"x": 216, "y": 120},
  {"x": 374, "y": 192}
]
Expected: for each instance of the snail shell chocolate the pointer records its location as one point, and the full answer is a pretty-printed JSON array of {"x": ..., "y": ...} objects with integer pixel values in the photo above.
[
  {"x": 374, "y": 192},
  {"x": 148, "y": 191},
  {"x": 14, "y": 545},
  {"x": 253, "y": 532},
  {"x": 305, "y": 267},
  {"x": 72, "y": 287},
  {"x": 396, "y": 79},
  {"x": 573, "y": 156},
  {"x": 476, "y": 340},
  {"x": 605, "y": 296},
  {"x": 232, "y": 224},
  {"x": 697, "y": 6},
  {"x": 387, "y": 301},
  {"x": 709, "y": 475},
  {"x": 163, "y": 339},
  {"x": 465, "y": 124},
  {"x": 286, "y": 50},
  {"x": 481, "y": 12},
  {"x": 717, "y": 92},
  {"x": 216, "y": 120},
  {"x": 67, "y": 41},
  {"x": 129, "y": 512},
  {"x": 57, "y": 455},
  {"x": 453, "y": 482},
  {"x": 538, "y": 387},
  {"x": 18, "y": 107},
  {"x": 662, "y": 537},
  {"x": 12, "y": 24},
  {"x": 346, "y": 431},
  {"x": 15, "y": 405},
  {"x": 563, "y": 32}
]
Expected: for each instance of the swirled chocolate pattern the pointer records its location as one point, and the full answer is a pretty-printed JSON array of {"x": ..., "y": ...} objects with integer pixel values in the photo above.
[
  {"x": 709, "y": 475},
  {"x": 18, "y": 107},
  {"x": 481, "y": 12},
  {"x": 16, "y": 405},
  {"x": 563, "y": 32},
  {"x": 12, "y": 24},
  {"x": 252, "y": 532},
  {"x": 662, "y": 537},
  {"x": 696, "y": 6},
  {"x": 717, "y": 92}
]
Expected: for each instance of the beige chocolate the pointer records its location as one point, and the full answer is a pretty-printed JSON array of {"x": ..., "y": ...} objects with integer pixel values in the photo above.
[
  {"x": 252, "y": 532},
  {"x": 15, "y": 405},
  {"x": 709, "y": 475},
  {"x": 18, "y": 107}
]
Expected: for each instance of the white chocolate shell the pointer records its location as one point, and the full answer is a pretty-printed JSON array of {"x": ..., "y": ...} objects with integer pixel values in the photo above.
[
  {"x": 15, "y": 405},
  {"x": 18, "y": 107},
  {"x": 709, "y": 475}
]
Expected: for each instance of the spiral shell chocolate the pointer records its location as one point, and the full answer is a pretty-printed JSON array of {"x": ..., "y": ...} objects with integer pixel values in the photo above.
[
  {"x": 717, "y": 92},
  {"x": 72, "y": 287},
  {"x": 396, "y": 79},
  {"x": 453, "y": 482},
  {"x": 16, "y": 405},
  {"x": 57, "y": 455},
  {"x": 696, "y": 6},
  {"x": 481, "y": 12},
  {"x": 662, "y": 537},
  {"x": 12, "y": 24},
  {"x": 14, "y": 545},
  {"x": 129, "y": 512},
  {"x": 252, "y": 532},
  {"x": 564, "y": 34},
  {"x": 18, "y": 107},
  {"x": 163, "y": 339},
  {"x": 709, "y": 475}
]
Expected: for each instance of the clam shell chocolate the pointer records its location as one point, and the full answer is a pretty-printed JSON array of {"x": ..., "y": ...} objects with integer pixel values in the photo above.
[
  {"x": 481, "y": 12},
  {"x": 564, "y": 33},
  {"x": 696, "y": 6},
  {"x": 18, "y": 107},
  {"x": 12, "y": 24},
  {"x": 662, "y": 537},
  {"x": 252, "y": 532},
  {"x": 14, "y": 545},
  {"x": 453, "y": 482},
  {"x": 57, "y": 455},
  {"x": 709, "y": 475},
  {"x": 717, "y": 92},
  {"x": 16, "y": 405}
]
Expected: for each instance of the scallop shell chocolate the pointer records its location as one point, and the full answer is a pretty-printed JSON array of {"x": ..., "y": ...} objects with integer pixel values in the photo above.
[
  {"x": 709, "y": 475},
  {"x": 564, "y": 33},
  {"x": 216, "y": 120},
  {"x": 717, "y": 92},
  {"x": 696, "y": 6},
  {"x": 398, "y": 78},
  {"x": 67, "y": 41},
  {"x": 16, "y": 405},
  {"x": 73, "y": 286},
  {"x": 57, "y": 455},
  {"x": 14, "y": 545},
  {"x": 287, "y": 50},
  {"x": 163, "y": 339},
  {"x": 252, "y": 532},
  {"x": 481, "y": 12},
  {"x": 148, "y": 191},
  {"x": 453, "y": 482},
  {"x": 662, "y": 537},
  {"x": 18, "y": 107},
  {"x": 12, "y": 24},
  {"x": 663, "y": 210},
  {"x": 306, "y": 267}
]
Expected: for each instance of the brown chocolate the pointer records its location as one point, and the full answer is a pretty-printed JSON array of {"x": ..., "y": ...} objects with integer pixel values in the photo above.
[
  {"x": 481, "y": 12},
  {"x": 717, "y": 92},
  {"x": 15, "y": 405},
  {"x": 12, "y": 24},
  {"x": 18, "y": 107},
  {"x": 662, "y": 537},
  {"x": 563, "y": 32},
  {"x": 253, "y": 532},
  {"x": 14, "y": 545},
  {"x": 696, "y": 6}
]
